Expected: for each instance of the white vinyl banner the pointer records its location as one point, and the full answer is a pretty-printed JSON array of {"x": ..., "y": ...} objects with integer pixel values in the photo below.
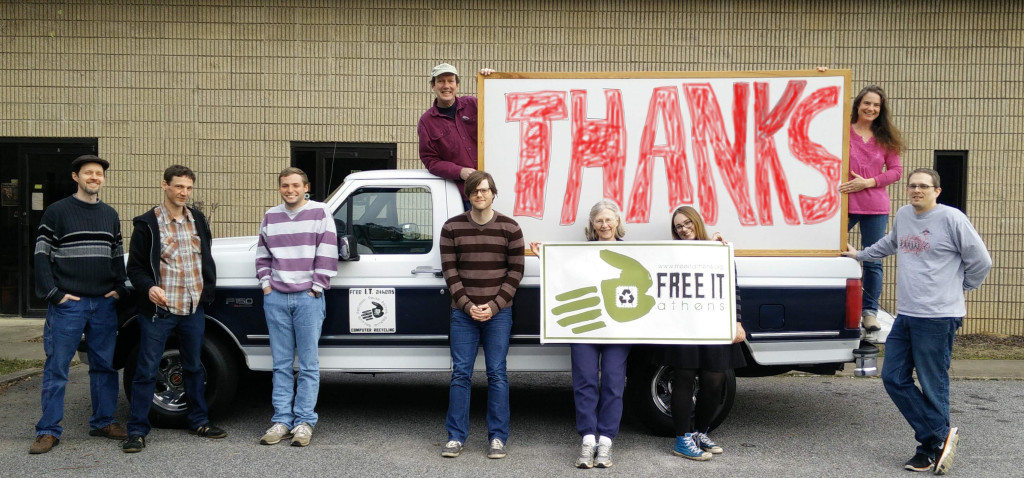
[{"x": 664, "y": 292}]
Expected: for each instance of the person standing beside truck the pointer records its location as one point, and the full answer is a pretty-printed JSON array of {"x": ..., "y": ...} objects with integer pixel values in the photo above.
[
  {"x": 709, "y": 363},
  {"x": 172, "y": 270},
  {"x": 79, "y": 272},
  {"x": 448, "y": 130},
  {"x": 598, "y": 369},
  {"x": 939, "y": 256},
  {"x": 296, "y": 257},
  {"x": 482, "y": 263},
  {"x": 875, "y": 146}
]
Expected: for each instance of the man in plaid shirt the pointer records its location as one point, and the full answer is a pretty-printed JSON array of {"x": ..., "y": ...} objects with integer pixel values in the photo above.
[{"x": 170, "y": 265}]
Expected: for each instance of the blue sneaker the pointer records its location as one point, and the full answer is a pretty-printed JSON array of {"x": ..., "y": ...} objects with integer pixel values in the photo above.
[
  {"x": 704, "y": 442},
  {"x": 686, "y": 448}
]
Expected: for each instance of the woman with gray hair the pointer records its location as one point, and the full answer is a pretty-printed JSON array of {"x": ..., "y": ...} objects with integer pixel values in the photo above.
[{"x": 598, "y": 370}]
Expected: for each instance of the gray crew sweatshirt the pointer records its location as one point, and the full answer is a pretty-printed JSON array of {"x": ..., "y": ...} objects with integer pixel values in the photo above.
[{"x": 939, "y": 256}]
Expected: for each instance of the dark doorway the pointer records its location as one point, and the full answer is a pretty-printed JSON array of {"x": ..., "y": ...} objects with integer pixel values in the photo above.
[
  {"x": 34, "y": 173},
  {"x": 327, "y": 164},
  {"x": 952, "y": 168}
]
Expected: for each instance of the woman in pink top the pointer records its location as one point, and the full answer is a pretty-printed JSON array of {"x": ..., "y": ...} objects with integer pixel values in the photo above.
[{"x": 875, "y": 146}]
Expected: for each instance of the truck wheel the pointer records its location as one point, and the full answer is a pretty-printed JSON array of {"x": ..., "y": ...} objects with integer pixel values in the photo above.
[
  {"x": 169, "y": 409},
  {"x": 649, "y": 393}
]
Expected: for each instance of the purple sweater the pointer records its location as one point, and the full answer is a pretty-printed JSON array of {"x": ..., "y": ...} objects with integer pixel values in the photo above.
[
  {"x": 447, "y": 145},
  {"x": 298, "y": 250},
  {"x": 867, "y": 160}
]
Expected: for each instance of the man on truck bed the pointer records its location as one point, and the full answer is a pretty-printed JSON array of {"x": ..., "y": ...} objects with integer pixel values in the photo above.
[
  {"x": 482, "y": 261},
  {"x": 296, "y": 257},
  {"x": 939, "y": 255}
]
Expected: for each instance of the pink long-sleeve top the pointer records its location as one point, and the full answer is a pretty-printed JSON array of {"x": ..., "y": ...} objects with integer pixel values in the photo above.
[{"x": 870, "y": 160}]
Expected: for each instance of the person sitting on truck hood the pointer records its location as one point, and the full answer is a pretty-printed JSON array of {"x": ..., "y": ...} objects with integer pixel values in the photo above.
[
  {"x": 706, "y": 362},
  {"x": 447, "y": 130},
  {"x": 482, "y": 263}
]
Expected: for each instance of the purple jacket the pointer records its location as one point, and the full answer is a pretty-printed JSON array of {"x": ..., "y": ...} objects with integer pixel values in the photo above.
[
  {"x": 867, "y": 160},
  {"x": 447, "y": 145}
]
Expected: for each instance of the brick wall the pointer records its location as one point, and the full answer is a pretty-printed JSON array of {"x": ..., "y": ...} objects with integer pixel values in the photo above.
[{"x": 224, "y": 86}]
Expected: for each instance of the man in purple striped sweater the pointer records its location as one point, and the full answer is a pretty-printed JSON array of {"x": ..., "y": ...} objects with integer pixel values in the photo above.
[
  {"x": 482, "y": 262},
  {"x": 296, "y": 257}
]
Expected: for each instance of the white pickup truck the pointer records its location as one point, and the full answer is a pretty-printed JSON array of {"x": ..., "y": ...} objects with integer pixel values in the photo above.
[{"x": 388, "y": 307}]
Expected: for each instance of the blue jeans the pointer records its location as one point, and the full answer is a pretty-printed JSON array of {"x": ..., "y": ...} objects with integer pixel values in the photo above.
[
  {"x": 153, "y": 334},
  {"x": 65, "y": 323},
  {"x": 466, "y": 335},
  {"x": 294, "y": 321},
  {"x": 926, "y": 345},
  {"x": 872, "y": 228},
  {"x": 598, "y": 380}
]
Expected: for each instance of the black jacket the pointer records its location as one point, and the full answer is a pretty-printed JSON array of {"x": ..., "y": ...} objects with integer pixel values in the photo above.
[{"x": 144, "y": 258}]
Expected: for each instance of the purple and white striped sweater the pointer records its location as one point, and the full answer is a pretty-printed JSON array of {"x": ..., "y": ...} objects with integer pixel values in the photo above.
[{"x": 297, "y": 250}]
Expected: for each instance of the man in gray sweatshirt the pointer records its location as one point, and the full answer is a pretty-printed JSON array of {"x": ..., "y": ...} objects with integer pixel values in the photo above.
[{"x": 939, "y": 256}]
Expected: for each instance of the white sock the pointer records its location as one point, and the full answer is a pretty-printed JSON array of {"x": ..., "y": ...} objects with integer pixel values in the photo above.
[
  {"x": 605, "y": 441},
  {"x": 588, "y": 440}
]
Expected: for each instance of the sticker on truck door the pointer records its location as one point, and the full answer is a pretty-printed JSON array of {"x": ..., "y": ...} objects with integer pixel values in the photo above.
[{"x": 371, "y": 311}]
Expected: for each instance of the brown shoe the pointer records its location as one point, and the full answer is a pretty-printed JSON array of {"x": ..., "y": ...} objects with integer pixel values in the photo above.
[
  {"x": 112, "y": 431},
  {"x": 43, "y": 444}
]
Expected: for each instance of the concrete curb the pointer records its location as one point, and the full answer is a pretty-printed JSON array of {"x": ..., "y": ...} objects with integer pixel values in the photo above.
[{"x": 20, "y": 375}]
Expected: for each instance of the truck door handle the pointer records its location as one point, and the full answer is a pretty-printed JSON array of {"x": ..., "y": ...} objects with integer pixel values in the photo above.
[{"x": 427, "y": 270}]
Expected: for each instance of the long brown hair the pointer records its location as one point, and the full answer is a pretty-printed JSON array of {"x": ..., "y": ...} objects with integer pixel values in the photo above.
[
  {"x": 699, "y": 232},
  {"x": 887, "y": 135}
]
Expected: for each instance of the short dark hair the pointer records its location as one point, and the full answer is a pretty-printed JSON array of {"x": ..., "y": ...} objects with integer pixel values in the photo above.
[
  {"x": 474, "y": 180},
  {"x": 177, "y": 170},
  {"x": 929, "y": 171},
  {"x": 290, "y": 171}
]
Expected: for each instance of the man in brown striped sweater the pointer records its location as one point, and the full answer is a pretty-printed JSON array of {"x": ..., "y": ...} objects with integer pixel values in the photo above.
[{"x": 482, "y": 260}]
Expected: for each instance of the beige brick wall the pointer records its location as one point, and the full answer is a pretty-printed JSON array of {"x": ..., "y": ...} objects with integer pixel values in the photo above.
[{"x": 224, "y": 86}]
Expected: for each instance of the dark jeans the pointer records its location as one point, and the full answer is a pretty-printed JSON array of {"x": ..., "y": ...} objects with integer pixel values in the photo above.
[
  {"x": 153, "y": 336},
  {"x": 924, "y": 345},
  {"x": 467, "y": 335},
  {"x": 598, "y": 380},
  {"x": 872, "y": 228}
]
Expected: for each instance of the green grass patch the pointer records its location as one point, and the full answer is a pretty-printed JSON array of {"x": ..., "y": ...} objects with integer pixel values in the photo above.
[{"x": 13, "y": 365}]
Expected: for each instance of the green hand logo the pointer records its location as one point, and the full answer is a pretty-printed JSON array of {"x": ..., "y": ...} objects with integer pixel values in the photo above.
[{"x": 625, "y": 297}]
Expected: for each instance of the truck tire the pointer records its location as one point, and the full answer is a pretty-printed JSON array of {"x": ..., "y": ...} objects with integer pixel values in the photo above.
[
  {"x": 649, "y": 395},
  {"x": 169, "y": 409}
]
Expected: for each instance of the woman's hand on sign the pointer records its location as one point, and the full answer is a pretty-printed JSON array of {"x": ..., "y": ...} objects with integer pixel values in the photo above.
[
  {"x": 741, "y": 334},
  {"x": 535, "y": 248}
]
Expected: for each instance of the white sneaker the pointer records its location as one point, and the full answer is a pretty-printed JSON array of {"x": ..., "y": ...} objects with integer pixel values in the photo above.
[
  {"x": 275, "y": 434},
  {"x": 945, "y": 461},
  {"x": 302, "y": 434},
  {"x": 604, "y": 455},
  {"x": 586, "y": 458}
]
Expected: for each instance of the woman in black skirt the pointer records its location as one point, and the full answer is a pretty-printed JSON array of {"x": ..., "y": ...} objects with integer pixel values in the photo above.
[{"x": 707, "y": 362}]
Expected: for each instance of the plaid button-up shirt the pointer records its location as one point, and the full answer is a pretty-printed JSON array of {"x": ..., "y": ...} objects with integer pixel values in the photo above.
[{"x": 181, "y": 265}]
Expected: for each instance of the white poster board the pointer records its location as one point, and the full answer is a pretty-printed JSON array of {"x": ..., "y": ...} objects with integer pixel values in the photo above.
[
  {"x": 759, "y": 154},
  {"x": 666, "y": 292}
]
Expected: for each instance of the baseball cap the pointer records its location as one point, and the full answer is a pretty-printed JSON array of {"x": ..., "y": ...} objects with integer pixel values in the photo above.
[
  {"x": 76, "y": 165},
  {"x": 442, "y": 69}
]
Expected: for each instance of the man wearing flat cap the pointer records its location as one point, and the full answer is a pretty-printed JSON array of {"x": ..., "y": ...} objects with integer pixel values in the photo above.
[
  {"x": 80, "y": 273},
  {"x": 447, "y": 130}
]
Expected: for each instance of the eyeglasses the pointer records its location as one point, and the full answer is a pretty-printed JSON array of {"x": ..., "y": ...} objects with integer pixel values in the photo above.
[
  {"x": 479, "y": 192},
  {"x": 923, "y": 187},
  {"x": 686, "y": 225}
]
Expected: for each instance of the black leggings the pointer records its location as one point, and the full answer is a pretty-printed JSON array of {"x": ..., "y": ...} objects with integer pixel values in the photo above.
[{"x": 708, "y": 395}]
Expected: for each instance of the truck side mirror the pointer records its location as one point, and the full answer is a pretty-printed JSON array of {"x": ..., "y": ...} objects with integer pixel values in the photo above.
[{"x": 347, "y": 250}]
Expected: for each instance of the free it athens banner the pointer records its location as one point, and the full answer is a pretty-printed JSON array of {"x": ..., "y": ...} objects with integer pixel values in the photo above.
[{"x": 665, "y": 292}]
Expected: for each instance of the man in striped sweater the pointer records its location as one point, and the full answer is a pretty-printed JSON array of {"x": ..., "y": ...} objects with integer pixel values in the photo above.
[
  {"x": 296, "y": 257},
  {"x": 482, "y": 260},
  {"x": 79, "y": 271}
]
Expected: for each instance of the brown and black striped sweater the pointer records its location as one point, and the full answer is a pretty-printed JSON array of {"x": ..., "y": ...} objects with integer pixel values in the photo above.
[{"x": 482, "y": 263}]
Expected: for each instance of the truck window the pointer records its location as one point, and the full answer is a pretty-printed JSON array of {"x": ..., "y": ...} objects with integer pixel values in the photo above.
[{"x": 388, "y": 220}]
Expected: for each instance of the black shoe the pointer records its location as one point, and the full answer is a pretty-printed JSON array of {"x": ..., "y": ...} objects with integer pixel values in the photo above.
[
  {"x": 209, "y": 431},
  {"x": 920, "y": 462},
  {"x": 134, "y": 444}
]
